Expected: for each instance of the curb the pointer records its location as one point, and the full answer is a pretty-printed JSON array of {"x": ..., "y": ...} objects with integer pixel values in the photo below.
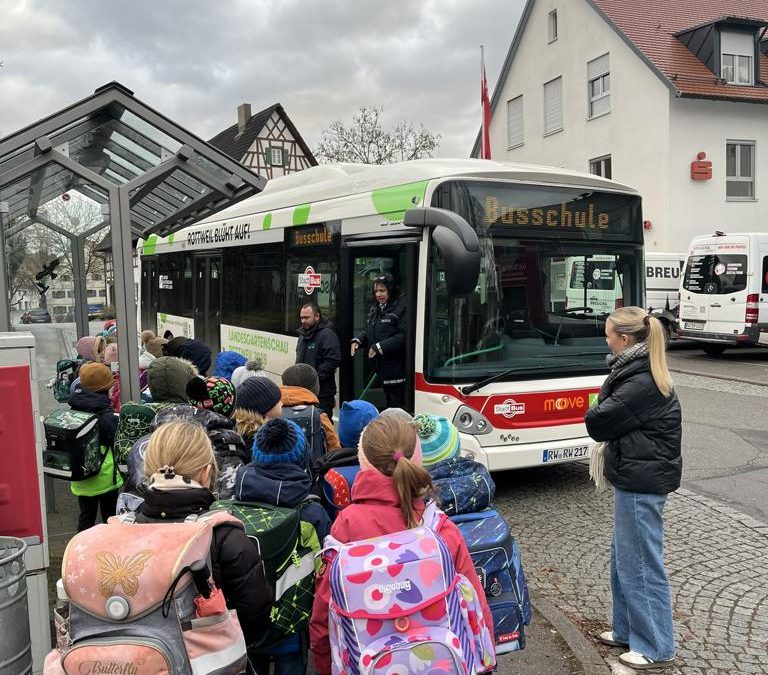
[
  {"x": 743, "y": 380},
  {"x": 584, "y": 651}
]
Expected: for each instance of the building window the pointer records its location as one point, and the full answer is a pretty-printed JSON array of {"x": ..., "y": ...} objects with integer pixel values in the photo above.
[
  {"x": 599, "y": 86},
  {"x": 601, "y": 166},
  {"x": 515, "y": 122},
  {"x": 737, "y": 53},
  {"x": 736, "y": 69},
  {"x": 552, "y": 23},
  {"x": 96, "y": 277},
  {"x": 553, "y": 106},
  {"x": 58, "y": 294},
  {"x": 740, "y": 170},
  {"x": 91, "y": 293},
  {"x": 276, "y": 156}
]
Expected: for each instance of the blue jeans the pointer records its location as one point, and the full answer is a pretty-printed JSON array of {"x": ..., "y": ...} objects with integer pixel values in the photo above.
[{"x": 642, "y": 602}]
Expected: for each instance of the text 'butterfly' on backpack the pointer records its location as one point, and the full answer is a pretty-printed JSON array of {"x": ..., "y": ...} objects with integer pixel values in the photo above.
[
  {"x": 134, "y": 603},
  {"x": 72, "y": 449},
  {"x": 496, "y": 558},
  {"x": 398, "y": 605},
  {"x": 287, "y": 546}
]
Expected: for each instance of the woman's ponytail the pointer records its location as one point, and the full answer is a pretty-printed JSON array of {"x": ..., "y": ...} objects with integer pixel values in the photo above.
[{"x": 657, "y": 355}]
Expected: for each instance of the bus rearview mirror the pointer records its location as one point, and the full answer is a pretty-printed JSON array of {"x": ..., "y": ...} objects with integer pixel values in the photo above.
[{"x": 457, "y": 243}]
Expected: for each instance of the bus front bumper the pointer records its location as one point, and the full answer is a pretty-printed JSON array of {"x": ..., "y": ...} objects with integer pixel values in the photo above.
[
  {"x": 750, "y": 336},
  {"x": 503, "y": 457}
]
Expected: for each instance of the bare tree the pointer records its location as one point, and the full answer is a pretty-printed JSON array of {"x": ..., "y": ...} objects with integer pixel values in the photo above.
[{"x": 366, "y": 140}]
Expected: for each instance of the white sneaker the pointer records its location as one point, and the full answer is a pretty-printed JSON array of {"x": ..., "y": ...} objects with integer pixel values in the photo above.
[
  {"x": 608, "y": 638},
  {"x": 639, "y": 662}
]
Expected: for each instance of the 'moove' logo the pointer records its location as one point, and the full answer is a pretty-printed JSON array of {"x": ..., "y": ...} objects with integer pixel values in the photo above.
[{"x": 563, "y": 403}]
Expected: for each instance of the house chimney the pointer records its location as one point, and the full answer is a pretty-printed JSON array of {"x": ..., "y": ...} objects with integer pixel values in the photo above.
[{"x": 243, "y": 115}]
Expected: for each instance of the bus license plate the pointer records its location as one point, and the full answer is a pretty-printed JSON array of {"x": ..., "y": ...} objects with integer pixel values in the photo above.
[
  {"x": 693, "y": 325},
  {"x": 564, "y": 454}
]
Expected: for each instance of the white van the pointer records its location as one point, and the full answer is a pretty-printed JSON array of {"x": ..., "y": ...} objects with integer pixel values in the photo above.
[
  {"x": 722, "y": 291},
  {"x": 592, "y": 282},
  {"x": 662, "y": 280}
]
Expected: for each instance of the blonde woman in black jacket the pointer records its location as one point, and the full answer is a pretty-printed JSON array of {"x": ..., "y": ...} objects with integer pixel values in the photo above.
[{"x": 639, "y": 423}]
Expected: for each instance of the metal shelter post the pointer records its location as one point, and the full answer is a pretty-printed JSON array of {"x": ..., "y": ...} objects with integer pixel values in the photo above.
[{"x": 5, "y": 310}]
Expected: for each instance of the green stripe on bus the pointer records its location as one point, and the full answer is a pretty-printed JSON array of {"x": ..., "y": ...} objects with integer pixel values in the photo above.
[
  {"x": 149, "y": 247},
  {"x": 301, "y": 215},
  {"x": 267, "y": 222},
  {"x": 393, "y": 202}
]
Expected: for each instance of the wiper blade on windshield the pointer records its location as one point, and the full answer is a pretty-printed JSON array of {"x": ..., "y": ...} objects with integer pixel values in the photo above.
[
  {"x": 470, "y": 388},
  {"x": 488, "y": 380}
]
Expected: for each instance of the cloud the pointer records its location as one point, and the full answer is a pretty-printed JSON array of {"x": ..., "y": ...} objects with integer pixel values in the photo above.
[{"x": 196, "y": 60}]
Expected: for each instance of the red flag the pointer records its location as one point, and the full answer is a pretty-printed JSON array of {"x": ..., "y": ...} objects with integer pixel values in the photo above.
[{"x": 485, "y": 102}]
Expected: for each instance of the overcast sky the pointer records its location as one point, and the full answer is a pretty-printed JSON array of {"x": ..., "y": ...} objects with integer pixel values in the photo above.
[{"x": 196, "y": 60}]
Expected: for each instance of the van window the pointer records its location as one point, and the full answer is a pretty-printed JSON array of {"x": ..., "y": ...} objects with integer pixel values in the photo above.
[
  {"x": 715, "y": 274},
  {"x": 765, "y": 275},
  {"x": 598, "y": 274}
]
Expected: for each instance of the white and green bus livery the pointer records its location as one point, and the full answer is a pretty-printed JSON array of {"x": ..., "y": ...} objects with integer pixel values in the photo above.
[{"x": 485, "y": 254}]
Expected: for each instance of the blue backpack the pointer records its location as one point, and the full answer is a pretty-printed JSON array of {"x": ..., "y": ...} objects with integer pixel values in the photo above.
[
  {"x": 498, "y": 563},
  {"x": 308, "y": 419},
  {"x": 462, "y": 485}
]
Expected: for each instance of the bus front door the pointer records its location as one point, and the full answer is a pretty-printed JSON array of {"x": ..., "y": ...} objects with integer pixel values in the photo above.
[
  {"x": 362, "y": 262},
  {"x": 208, "y": 301}
]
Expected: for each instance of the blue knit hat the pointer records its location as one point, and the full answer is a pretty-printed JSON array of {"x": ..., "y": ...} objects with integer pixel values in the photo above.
[
  {"x": 279, "y": 440},
  {"x": 226, "y": 362},
  {"x": 439, "y": 438},
  {"x": 353, "y": 418}
]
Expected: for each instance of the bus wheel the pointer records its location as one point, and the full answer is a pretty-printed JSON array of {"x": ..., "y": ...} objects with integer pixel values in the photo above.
[{"x": 713, "y": 349}]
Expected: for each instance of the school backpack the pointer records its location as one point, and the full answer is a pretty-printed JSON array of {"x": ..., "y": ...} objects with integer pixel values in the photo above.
[
  {"x": 135, "y": 602},
  {"x": 66, "y": 370},
  {"x": 462, "y": 485},
  {"x": 398, "y": 605},
  {"x": 334, "y": 474},
  {"x": 72, "y": 449},
  {"x": 287, "y": 546},
  {"x": 134, "y": 422},
  {"x": 308, "y": 419},
  {"x": 497, "y": 560}
]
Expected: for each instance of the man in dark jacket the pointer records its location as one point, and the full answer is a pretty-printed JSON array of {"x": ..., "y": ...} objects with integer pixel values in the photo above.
[{"x": 319, "y": 347}]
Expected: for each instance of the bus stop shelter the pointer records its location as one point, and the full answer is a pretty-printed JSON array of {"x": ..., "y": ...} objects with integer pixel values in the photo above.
[{"x": 147, "y": 174}]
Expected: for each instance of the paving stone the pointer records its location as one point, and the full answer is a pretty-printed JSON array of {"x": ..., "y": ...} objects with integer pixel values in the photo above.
[{"x": 712, "y": 552}]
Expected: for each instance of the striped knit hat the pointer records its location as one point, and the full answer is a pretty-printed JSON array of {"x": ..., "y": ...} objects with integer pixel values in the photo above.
[{"x": 439, "y": 438}]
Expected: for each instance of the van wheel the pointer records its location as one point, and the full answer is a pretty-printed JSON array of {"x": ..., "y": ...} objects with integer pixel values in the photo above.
[{"x": 713, "y": 350}]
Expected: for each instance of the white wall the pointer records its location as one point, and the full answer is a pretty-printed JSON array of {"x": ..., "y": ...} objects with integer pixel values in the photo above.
[
  {"x": 700, "y": 207},
  {"x": 636, "y": 131}
]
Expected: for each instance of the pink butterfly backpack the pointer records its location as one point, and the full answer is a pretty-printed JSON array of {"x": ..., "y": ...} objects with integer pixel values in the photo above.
[
  {"x": 398, "y": 606},
  {"x": 135, "y": 602}
]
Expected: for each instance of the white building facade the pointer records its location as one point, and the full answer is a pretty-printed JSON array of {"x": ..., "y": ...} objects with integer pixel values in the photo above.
[{"x": 581, "y": 88}]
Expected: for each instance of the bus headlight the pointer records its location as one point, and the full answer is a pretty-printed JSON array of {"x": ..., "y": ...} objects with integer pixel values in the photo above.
[{"x": 469, "y": 421}]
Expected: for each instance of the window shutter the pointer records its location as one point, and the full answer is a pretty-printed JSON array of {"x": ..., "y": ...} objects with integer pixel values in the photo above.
[
  {"x": 268, "y": 157},
  {"x": 285, "y": 158},
  {"x": 515, "y": 122},
  {"x": 600, "y": 66},
  {"x": 553, "y": 106}
]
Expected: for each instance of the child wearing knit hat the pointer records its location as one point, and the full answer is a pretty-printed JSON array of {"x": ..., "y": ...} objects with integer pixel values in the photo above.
[
  {"x": 353, "y": 417},
  {"x": 98, "y": 493},
  {"x": 277, "y": 476},
  {"x": 212, "y": 393},
  {"x": 258, "y": 400},
  {"x": 439, "y": 438}
]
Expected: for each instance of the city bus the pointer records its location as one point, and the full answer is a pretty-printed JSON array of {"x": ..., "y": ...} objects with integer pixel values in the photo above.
[{"x": 496, "y": 340}]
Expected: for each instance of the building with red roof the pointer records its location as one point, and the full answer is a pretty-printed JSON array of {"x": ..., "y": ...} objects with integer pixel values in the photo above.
[{"x": 665, "y": 96}]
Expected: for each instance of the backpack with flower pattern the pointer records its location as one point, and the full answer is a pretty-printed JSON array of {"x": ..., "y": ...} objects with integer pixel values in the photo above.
[{"x": 399, "y": 606}]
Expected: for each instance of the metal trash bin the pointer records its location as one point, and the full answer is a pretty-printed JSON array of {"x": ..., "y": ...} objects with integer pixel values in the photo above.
[{"x": 16, "y": 644}]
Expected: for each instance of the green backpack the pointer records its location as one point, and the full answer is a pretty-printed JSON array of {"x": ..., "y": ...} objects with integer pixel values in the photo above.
[
  {"x": 135, "y": 422},
  {"x": 287, "y": 546}
]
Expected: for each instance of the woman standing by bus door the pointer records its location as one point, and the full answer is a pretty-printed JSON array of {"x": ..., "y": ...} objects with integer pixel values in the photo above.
[
  {"x": 638, "y": 420},
  {"x": 384, "y": 337}
]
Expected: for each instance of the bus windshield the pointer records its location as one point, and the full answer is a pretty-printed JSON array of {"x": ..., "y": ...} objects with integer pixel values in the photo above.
[{"x": 541, "y": 302}]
